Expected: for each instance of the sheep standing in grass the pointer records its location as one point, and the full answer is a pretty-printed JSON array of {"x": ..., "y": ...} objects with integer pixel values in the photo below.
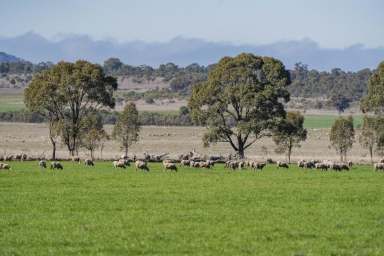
[
  {"x": 56, "y": 165},
  {"x": 170, "y": 166},
  {"x": 4, "y": 166},
  {"x": 119, "y": 164},
  {"x": 257, "y": 165},
  {"x": 378, "y": 166},
  {"x": 321, "y": 166},
  {"x": 282, "y": 164},
  {"x": 141, "y": 165},
  {"x": 301, "y": 163},
  {"x": 232, "y": 164},
  {"x": 43, "y": 164},
  {"x": 185, "y": 162},
  {"x": 89, "y": 162}
]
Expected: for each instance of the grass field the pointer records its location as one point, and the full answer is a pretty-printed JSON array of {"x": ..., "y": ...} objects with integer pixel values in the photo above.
[
  {"x": 104, "y": 211},
  {"x": 326, "y": 121},
  {"x": 11, "y": 101}
]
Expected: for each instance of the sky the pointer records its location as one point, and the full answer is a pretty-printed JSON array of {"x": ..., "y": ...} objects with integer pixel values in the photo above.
[{"x": 331, "y": 23}]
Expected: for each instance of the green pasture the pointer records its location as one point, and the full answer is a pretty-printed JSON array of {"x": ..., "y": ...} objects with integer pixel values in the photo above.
[
  {"x": 11, "y": 102},
  {"x": 326, "y": 121},
  {"x": 105, "y": 211}
]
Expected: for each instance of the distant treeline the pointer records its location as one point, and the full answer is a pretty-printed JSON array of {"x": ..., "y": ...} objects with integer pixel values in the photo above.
[
  {"x": 180, "y": 118},
  {"x": 305, "y": 82},
  {"x": 23, "y": 67}
]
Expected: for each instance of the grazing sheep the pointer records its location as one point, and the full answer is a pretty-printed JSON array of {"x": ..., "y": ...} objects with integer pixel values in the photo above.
[
  {"x": 195, "y": 164},
  {"x": 321, "y": 166},
  {"x": 76, "y": 159},
  {"x": 119, "y": 164},
  {"x": 125, "y": 161},
  {"x": 211, "y": 163},
  {"x": 232, "y": 164},
  {"x": 378, "y": 166},
  {"x": 257, "y": 165},
  {"x": 310, "y": 164},
  {"x": 168, "y": 161},
  {"x": 301, "y": 163},
  {"x": 185, "y": 162},
  {"x": 142, "y": 165},
  {"x": 344, "y": 166},
  {"x": 170, "y": 166},
  {"x": 282, "y": 164},
  {"x": 89, "y": 162},
  {"x": 242, "y": 164},
  {"x": 8, "y": 158},
  {"x": 43, "y": 164},
  {"x": 56, "y": 165},
  {"x": 204, "y": 165},
  {"x": 336, "y": 167},
  {"x": 4, "y": 166},
  {"x": 24, "y": 157}
]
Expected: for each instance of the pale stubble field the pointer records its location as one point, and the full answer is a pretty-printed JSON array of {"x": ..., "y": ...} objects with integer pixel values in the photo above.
[{"x": 32, "y": 139}]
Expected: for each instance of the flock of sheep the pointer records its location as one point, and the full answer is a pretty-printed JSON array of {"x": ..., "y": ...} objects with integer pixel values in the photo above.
[{"x": 196, "y": 162}]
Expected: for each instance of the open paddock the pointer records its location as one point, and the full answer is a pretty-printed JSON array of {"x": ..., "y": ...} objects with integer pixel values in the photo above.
[
  {"x": 32, "y": 139},
  {"x": 105, "y": 211}
]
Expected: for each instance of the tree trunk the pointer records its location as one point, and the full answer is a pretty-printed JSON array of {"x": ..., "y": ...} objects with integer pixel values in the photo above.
[
  {"x": 289, "y": 151},
  {"x": 289, "y": 154},
  {"x": 126, "y": 152},
  {"x": 371, "y": 154},
  {"x": 101, "y": 150},
  {"x": 241, "y": 149},
  {"x": 53, "y": 142},
  {"x": 91, "y": 151}
]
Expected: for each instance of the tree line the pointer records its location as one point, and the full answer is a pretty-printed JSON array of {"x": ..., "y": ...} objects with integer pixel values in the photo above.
[
  {"x": 338, "y": 86},
  {"x": 240, "y": 102}
]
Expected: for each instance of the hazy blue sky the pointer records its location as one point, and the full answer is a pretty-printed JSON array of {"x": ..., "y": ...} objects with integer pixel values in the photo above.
[{"x": 332, "y": 23}]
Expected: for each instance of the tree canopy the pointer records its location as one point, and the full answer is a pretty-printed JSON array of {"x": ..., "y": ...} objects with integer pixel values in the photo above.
[
  {"x": 69, "y": 92},
  {"x": 374, "y": 101},
  {"x": 127, "y": 127},
  {"x": 289, "y": 133},
  {"x": 241, "y": 99},
  {"x": 342, "y": 136}
]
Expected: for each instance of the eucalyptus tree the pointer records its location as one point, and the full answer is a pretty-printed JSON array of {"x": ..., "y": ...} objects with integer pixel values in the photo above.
[
  {"x": 241, "y": 100},
  {"x": 69, "y": 92}
]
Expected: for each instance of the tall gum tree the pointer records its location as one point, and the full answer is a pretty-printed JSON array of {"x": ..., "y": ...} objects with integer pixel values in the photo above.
[
  {"x": 70, "y": 91},
  {"x": 241, "y": 100}
]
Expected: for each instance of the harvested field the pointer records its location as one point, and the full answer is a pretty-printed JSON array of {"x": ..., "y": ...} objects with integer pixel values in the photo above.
[{"x": 32, "y": 139}]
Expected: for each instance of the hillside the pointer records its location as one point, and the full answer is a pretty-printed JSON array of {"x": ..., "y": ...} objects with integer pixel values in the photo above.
[
  {"x": 183, "y": 51},
  {"x": 4, "y": 57}
]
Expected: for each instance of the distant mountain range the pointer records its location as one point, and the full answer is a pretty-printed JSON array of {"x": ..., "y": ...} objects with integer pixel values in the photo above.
[
  {"x": 4, "y": 57},
  {"x": 184, "y": 51}
]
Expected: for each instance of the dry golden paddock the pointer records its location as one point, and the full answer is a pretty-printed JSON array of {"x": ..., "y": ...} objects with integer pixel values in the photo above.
[{"x": 32, "y": 139}]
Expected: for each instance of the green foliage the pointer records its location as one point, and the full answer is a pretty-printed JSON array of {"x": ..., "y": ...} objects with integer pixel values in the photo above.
[
  {"x": 68, "y": 92},
  {"x": 241, "y": 100},
  {"x": 127, "y": 127},
  {"x": 93, "y": 134},
  {"x": 342, "y": 136},
  {"x": 289, "y": 133},
  {"x": 374, "y": 101},
  {"x": 340, "y": 102},
  {"x": 103, "y": 211},
  {"x": 313, "y": 83}
]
